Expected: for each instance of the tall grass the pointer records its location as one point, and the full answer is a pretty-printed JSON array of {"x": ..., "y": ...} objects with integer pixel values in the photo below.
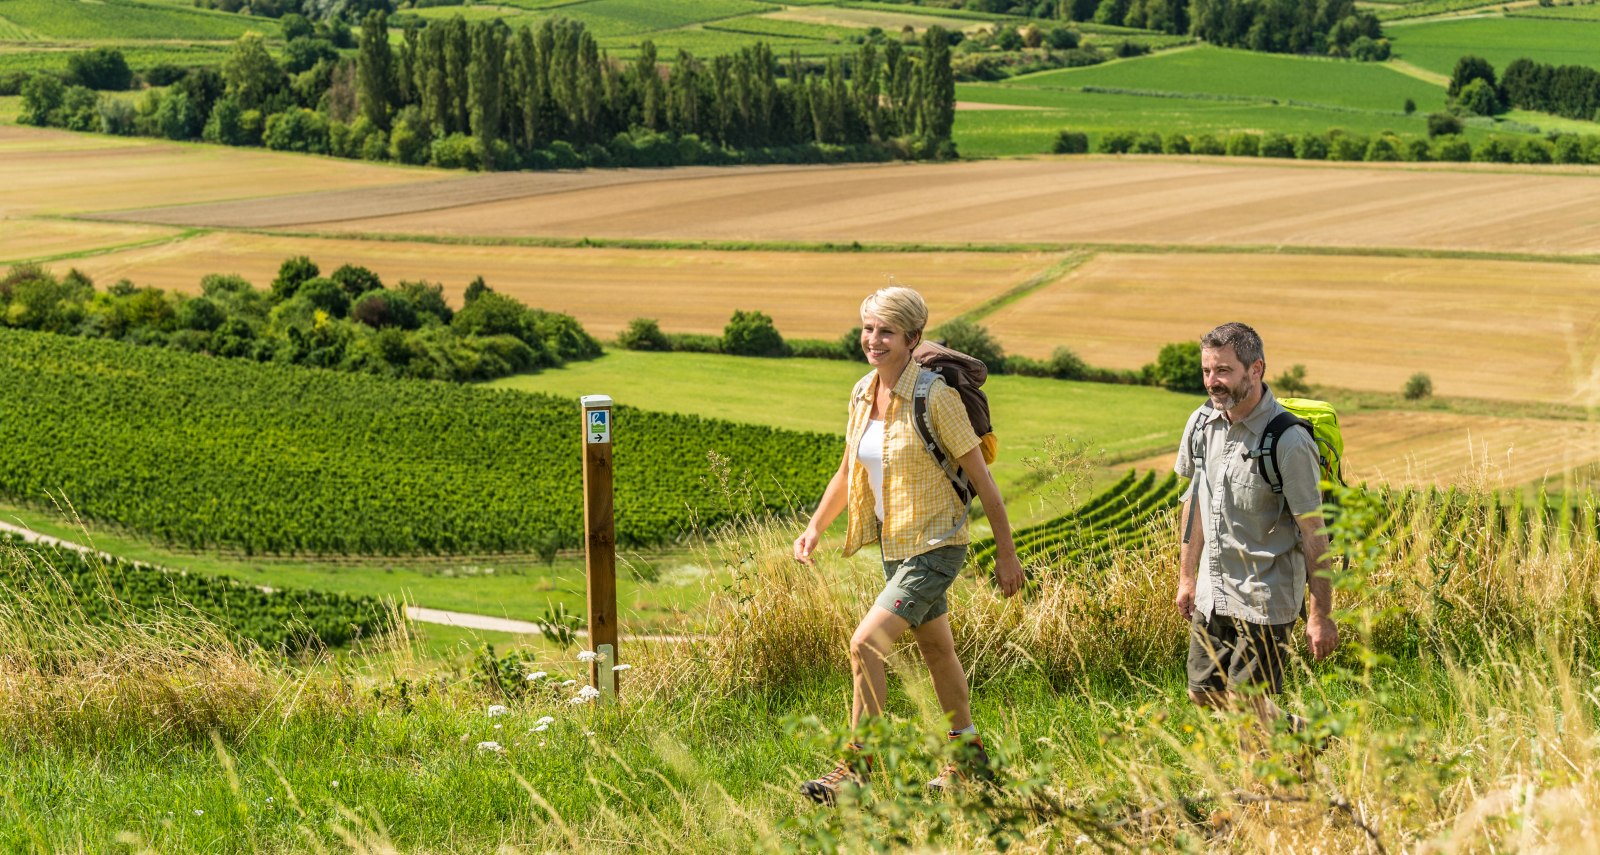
[{"x": 1465, "y": 703}]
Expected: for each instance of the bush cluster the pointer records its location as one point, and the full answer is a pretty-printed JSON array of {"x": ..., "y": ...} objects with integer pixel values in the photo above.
[
  {"x": 754, "y": 334},
  {"x": 348, "y": 321},
  {"x": 1339, "y": 144}
]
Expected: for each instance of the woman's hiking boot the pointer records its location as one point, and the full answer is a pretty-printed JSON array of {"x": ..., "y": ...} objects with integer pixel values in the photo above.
[
  {"x": 971, "y": 762},
  {"x": 850, "y": 773}
]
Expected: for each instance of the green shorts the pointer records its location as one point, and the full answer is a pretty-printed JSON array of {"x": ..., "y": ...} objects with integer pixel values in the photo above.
[
  {"x": 916, "y": 586},
  {"x": 1230, "y": 654}
]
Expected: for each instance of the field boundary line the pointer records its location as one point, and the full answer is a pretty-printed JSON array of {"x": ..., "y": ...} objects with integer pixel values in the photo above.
[
  {"x": 1091, "y": 248},
  {"x": 1049, "y": 276},
  {"x": 185, "y": 235},
  {"x": 1418, "y": 72}
]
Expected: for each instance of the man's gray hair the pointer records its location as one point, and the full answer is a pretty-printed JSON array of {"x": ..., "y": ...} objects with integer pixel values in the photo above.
[{"x": 1246, "y": 343}]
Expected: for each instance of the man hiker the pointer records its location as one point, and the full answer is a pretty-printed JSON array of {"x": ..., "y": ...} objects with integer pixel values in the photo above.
[{"x": 1249, "y": 554}]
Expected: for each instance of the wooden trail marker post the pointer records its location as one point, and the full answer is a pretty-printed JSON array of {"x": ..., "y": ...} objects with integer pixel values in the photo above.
[{"x": 600, "y": 543}]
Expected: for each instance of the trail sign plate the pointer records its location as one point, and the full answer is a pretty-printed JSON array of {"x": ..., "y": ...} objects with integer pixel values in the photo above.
[{"x": 599, "y": 429}]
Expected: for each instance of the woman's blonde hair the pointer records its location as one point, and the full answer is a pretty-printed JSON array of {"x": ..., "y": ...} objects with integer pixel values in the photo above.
[{"x": 902, "y": 307}]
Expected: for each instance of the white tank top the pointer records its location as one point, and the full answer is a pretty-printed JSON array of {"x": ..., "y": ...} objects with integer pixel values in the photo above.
[{"x": 870, "y": 452}]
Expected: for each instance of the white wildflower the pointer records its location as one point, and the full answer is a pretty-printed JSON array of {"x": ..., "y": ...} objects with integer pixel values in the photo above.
[
  {"x": 490, "y": 746},
  {"x": 588, "y": 733},
  {"x": 537, "y": 675},
  {"x": 497, "y": 709},
  {"x": 199, "y": 812},
  {"x": 569, "y": 684},
  {"x": 588, "y": 693},
  {"x": 545, "y": 719},
  {"x": 497, "y": 727},
  {"x": 578, "y": 700},
  {"x": 269, "y": 800},
  {"x": 620, "y": 667},
  {"x": 588, "y": 656},
  {"x": 540, "y": 729},
  {"x": 335, "y": 785}
]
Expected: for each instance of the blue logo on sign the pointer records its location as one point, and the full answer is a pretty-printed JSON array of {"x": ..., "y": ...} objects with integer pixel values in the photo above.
[{"x": 597, "y": 420}]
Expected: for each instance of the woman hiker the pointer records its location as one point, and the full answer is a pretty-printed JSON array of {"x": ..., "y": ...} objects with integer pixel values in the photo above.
[{"x": 898, "y": 495}]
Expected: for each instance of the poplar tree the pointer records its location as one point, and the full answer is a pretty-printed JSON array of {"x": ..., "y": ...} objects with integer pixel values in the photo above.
[
  {"x": 374, "y": 69},
  {"x": 485, "y": 73}
]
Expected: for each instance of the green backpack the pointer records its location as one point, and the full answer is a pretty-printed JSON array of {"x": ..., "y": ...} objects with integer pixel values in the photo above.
[{"x": 1318, "y": 417}]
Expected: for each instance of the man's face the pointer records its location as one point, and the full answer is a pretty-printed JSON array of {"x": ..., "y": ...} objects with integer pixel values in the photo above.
[{"x": 1228, "y": 381}]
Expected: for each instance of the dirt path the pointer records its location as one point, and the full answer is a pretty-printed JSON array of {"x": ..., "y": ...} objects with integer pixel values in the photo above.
[{"x": 419, "y": 614}]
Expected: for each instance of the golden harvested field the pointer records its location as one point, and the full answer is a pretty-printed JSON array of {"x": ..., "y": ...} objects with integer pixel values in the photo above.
[
  {"x": 865, "y": 18},
  {"x": 1423, "y": 448},
  {"x": 811, "y": 295},
  {"x": 30, "y": 239},
  {"x": 58, "y": 172},
  {"x": 1484, "y": 329},
  {"x": 1100, "y": 200}
]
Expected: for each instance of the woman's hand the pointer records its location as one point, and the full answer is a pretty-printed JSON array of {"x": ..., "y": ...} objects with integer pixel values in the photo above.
[
  {"x": 806, "y": 544},
  {"x": 1008, "y": 573}
]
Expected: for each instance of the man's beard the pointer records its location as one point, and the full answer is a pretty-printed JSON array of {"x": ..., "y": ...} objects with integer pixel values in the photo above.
[{"x": 1225, "y": 398}]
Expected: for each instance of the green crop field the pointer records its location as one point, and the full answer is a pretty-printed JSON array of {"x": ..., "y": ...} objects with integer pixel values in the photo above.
[
  {"x": 1124, "y": 422},
  {"x": 770, "y": 29},
  {"x": 1221, "y": 71},
  {"x": 1032, "y": 130},
  {"x": 1586, "y": 12},
  {"x": 126, "y": 20},
  {"x": 507, "y": 12},
  {"x": 139, "y": 56},
  {"x": 202, "y": 452},
  {"x": 707, "y": 41},
  {"x": 1436, "y": 45},
  {"x": 635, "y": 17}
]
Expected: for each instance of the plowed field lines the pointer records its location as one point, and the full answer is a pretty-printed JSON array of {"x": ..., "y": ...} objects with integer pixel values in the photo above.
[
  {"x": 1484, "y": 329},
  {"x": 811, "y": 295}
]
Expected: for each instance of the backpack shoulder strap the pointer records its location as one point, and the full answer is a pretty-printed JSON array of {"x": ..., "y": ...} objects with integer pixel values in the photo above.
[
  {"x": 1197, "y": 452},
  {"x": 1266, "y": 454},
  {"x": 922, "y": 417}
]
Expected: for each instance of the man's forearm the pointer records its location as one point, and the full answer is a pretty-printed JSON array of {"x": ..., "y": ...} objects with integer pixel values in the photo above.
[
  {"x": 1314, "y": 545},
  {"x": 1193, "y": 540}
]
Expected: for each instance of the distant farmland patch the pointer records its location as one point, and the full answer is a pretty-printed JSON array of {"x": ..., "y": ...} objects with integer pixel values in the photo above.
[
  {"x": 1508, "y": 330},
  {"x": 1423, "y": 448},
  {"x": 834, "y": 16},
  {"x": 125, "y": 19},
  {"x": 812, "y": 295},
  {"x": 52, "y": 172},
  {"x": 29, "y": 239},
  {"x": 1221, "y": 71},
  {"x": 1436, "y": 45}
]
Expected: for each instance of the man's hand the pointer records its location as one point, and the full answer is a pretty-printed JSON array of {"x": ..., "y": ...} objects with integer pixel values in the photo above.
[
  {"x": 1323, "y": 635},
  {"x": 1008, "y": 572},
  {"x": 1185, "y": 598},
  {"x": 806, "y": 544}
]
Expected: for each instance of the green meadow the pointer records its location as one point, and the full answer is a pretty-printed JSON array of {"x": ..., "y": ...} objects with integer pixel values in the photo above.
[
  {"x": 1209, "y": 70},
  {"x": 125, "y": 20},
  {"x": 1437, "y": 45},
  {"x": 1119, "y": 423}
]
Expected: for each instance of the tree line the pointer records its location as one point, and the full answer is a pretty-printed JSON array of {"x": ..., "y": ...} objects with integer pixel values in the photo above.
[
  {"x": 1569, "y": 91},
  {"x": 347, "y": 320},
  {"x": 481, "y": 95}
]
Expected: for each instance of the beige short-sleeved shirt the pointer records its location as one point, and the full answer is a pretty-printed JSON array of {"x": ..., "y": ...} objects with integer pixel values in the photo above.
[{"x": 1252, "y": 567}]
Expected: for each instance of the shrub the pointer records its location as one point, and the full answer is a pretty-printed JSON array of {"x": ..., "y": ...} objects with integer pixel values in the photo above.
[
  {"x": 1178, "y": 367},
  {"x": 200, "y": 313},
  {"x": 326, "y": 295},
  {"x": 1274, "y": 144},
  {"x": 1418, "y": 386},
  {"x": 751, "y": 334},
  {"x": 1175, "y": 144},
  {"x": 117, "y": 117},
  {"x": 1410, "y": 107},
  {"x": 1064, "y": 364},
  {"x": 1208, "y": 144},
  {"x": 1443, "y": 124},
  {"x": 644, "y": 333},
  {"x": 355, "y": 280},
  {"x": 1311, "y": 147},
  {"x": 695, "y": 342},
  {"x": 1243, "y": 144},
  {"x": 1417, "y": 150},
  {"x": 1061, "y": 38},
  {"x": 1568, "y": 149},
  {"x": 1347, "y": 147},
  {"x": 1479, "y": 98},
  {"x": 850, "y": 345},
  {"x": 814, "y": 348},
  {"x": 297, "y": 129},
  {"x": 293, "y": 273},
  {"x": 384, "y": 309},
  {"x": 1148, "y": 143},
  {"x": 1533, "y": 150},
  {"x": 457, "y": 151},
  {"x": 1025, "y": 366},
  {"x": 1071, "y": 142},
  {"x": 1452, "y": 149},
  {"x": 1382, "y": 149},
  {"x": 41, "y": 100},
  {"x": 1493, "y": 150},
  {"x": 426, "y": 297},
  {"x": 1116, "y": 142},
  {"x": 1292, "y": 381},
  {"x": 101, "y": 68},
  {"x": 973, "y": 340}
]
